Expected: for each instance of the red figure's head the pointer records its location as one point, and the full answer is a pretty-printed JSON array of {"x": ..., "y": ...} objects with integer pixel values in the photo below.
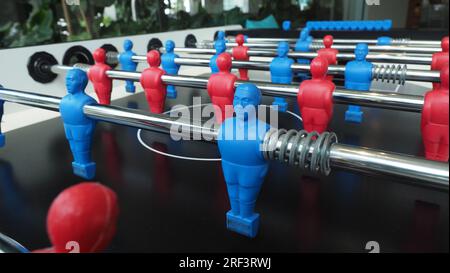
[
  {"x": 100, "y": 55},
  {"x": 240, "y": 39},
  {"x": 328, "y": 41},
  {"x": 319, "y": 68},
  {"x": 444, "y": 44},
  {"x": 444, "y": 78},
  {"x": 224, "y": 62},
  {"x": 84, "y": 216},
  {"x": 153, "y": 58}
]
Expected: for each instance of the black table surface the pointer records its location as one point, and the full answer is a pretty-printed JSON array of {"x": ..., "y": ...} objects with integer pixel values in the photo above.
[{"x": 173, "y": 205}]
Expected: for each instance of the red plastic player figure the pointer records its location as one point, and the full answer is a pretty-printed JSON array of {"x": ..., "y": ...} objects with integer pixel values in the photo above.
[
  {"x": 97, "y": 75},
  {"x": 221, "y": 87},
  {"x": 82, "y": 219},
  {"x": 155, "y": 89},
  {"x": 328, "y": 53},
  {"x": 440, "y": 59},
  {"x": 315, "y": 97},
  {"x": 435, "y": 121},
  {"x": 240, "y": 53}
]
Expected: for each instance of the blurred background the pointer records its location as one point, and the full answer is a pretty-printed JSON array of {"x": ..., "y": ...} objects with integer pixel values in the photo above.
[{"x": 36, "y": 22}]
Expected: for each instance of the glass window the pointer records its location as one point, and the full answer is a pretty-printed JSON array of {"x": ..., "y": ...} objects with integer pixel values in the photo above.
[{"x": 35, "y": 22}]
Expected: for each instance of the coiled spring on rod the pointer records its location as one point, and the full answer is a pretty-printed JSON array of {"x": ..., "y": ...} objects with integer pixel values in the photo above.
[
  {"x": 316, "y": 46},
  {"x": 84, "y": 67},
  {"x": 309, "y": 151},
  {"x": 390, "y": 73},
  {"x": 401, "y": 41}
]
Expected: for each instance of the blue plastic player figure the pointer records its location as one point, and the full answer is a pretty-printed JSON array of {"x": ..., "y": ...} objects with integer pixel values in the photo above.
[
  {"x": 281, "y": 72},
  {"x": 358, "y": 76},
  {"x": 221, "y": 35},
  {"x": 2, "y": 136},
  {"x": 127, "y": 64},
  {"x": 220, "y": 47},
  {"x": 78, "y": 127},
  {"x": 243, "y": 165},
  {"x": 286, "y": 25},
  {"x": 171, "y": 68},
  {"x": 303, "y": 45}
]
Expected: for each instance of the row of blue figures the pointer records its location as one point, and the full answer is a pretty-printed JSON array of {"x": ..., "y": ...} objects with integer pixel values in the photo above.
[
  {"x": 167, "y": 61},
  {"x": 243, "y": 165},
  {"x": 358, "y": 76},
  {"x": 169, "y": 65},
  {"x": 79, "y": 128},
  {"x": 220, "y": 47},
  {"x": 2, "y": 136},
  {"x": 281, "y": 72},
  {"x": 303, "y": 45}
]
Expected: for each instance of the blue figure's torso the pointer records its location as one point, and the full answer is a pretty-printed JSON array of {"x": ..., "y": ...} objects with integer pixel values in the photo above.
[
  {"x": 358, "y": 75},
  {"x": 237, "y": 138},
  {"x": 168, "y": 63},
  {"x": 213, "y": 64},
  {"x": 281, "y": 71},
  {"x": 71, "y": 109},
  {"x": 303, "y": 46},
  {"x": 126, "y": 62}
]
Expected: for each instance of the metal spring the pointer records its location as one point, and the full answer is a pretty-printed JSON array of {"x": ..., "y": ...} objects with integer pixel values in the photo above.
[
  {"x": 390, "y": 72},
  {"x": 84, "y": 67},
  {"x": 309, "y": 151},
  {"x": 401, "y": 41},
  {"x": 316, "y": 46}
]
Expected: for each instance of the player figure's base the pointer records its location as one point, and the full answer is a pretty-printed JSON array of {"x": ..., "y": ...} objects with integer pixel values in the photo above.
[
  {"x": 280, "y": 104},
  {"x": 86, "y": 171},
  {"x": 244, "y": 226},
  {"x": 171, "y": 92},
  {"x": 130, "y": 89},
  {"x": 352, "y": 116},
  {"x": 2, "y": 140}
]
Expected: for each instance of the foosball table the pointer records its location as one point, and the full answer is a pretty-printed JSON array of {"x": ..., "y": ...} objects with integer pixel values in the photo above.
[{"x": 132, "y": 144}]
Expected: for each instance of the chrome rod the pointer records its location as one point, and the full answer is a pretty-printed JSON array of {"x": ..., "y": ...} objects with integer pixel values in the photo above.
[
  {"x": 341, "y": 47},
  {"x": 358, "y": 159},
  {"x": 370, "y": 160},
  {"x": 395, "y": 41},
  {"x": 393, "y": 101}
]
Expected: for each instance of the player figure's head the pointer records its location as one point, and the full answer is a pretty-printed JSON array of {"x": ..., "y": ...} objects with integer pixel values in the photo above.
[
  {"x": 444, "y": 78},
  {"x": 99, "y": 55},
  {"x": 283, "y": 49},
  {"x": 170, "y": 46},
  {"x": 286, "y": 25},
  {"x": 444, "y": 44},
  {"x": 76, "y": 81},
  {"x": 85, "y": 214},
  {"x": 319, "y": 68},
  {"x": 328, "y": 41},
  {"x": 220, "y": 35},
  {"x": 127, "y": 45},
  {"x": 240, "y": 39},
  {"x": 247, "y": 97},
  {"x": 304, "y": 34},
  {"x": 220, "y": 46},
  {"x": 224, "y": 62},
  {"x": 361, "y": 51},
  {"x": 153, "y": 58}
]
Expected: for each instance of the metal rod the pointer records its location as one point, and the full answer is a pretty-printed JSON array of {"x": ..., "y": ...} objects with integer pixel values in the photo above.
[
  {"x": 341, "y": 47},
  {"x": 377, "y": 57},
  {"x": 370, "y": 160},
  {"x": 395, "y": 41},
  {"x": 392, "y": 101},
  {"x": 359, "y": 159}
]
